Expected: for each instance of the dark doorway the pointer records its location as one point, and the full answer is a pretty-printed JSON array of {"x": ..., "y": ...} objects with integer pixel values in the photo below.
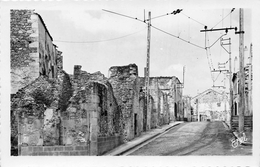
[
  {"x": 52, "y": 71},
  {"x": 175, "y": 110},
  {"x": 135, "y": 124},
  {"x": 235, "y": 108}
]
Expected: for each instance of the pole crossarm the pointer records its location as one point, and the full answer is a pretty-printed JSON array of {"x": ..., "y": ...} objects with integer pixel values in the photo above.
[
  {"x": 219, "y": 29},
  {"x": 219, "y": 71}
]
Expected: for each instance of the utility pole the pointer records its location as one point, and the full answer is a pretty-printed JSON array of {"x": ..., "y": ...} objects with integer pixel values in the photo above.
[
  {"x": 230, "y": 76},
  {"x": 250, "y": 81},
  {"x": 241, "y": 90},
  {"x": 147, "y": 79},
  {"x": 230, "y": 84}
]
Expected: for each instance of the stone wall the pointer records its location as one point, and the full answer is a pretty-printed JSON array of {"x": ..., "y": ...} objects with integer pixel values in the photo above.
[
  {"x": 164, "y": 96},
  {"x": 32, "y": 50},
  {"x": 36, "y": 109},
  {"x": 55, "y": 150},
  {"x": 105, "y": 144},
  {"x": 59, "y": 61},
  {"x": 54, "y": 112},
  {"x": 125, "y": 84},
  {"x": 93, "y": 115},
  {"x": 23, "y": 45}
]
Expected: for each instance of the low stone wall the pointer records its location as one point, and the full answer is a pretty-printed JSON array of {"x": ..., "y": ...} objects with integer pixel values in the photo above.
[
  {"x": 106, "y": 144},
  {"x": 54, "y": 150}
]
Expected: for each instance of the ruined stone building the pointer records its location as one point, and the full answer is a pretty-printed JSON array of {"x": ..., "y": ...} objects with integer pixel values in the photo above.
[
  {"x": 68, "y": 115},
  {"x": 55, "y": 113},
  {"x": 126, "y": 87},
  {"x": 211, "y": 106},
  {"x": 87, "y": 114},
  {"x": 166, "y": 100},
  {"x": 32, "y": 50}
]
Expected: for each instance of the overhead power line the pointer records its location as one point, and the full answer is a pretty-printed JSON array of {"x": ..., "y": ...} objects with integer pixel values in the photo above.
[
  {"x": 193, "y": 19},
  {"x": 177, "y": 37},
  {"x": 97, "y": 41},
  {"x": 224, "y": 18},
  {"x": 135, "y": 18},
  {"x": 144, "y": 21}
]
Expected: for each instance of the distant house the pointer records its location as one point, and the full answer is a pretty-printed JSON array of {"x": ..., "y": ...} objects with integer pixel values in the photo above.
[{"x": 211, "y": 105}]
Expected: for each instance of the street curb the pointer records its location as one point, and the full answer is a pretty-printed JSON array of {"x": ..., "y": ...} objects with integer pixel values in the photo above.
[
  {"x": 143, "y": 141},
  {"x": 147, "y": 139}
]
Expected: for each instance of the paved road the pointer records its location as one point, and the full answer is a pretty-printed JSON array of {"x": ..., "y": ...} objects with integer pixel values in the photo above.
[{"x": 194, "y": 138}]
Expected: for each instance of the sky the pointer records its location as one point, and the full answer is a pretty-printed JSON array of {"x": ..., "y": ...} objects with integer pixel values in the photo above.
[{"x": 97, "y": 40}]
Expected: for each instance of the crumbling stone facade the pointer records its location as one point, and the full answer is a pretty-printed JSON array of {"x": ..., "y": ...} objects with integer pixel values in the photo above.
[
  {"x": 94, "y": 105},
  {"x": 36, "y": 109},
  {"x": 87, "y": 114},
  {"x": 75, "y": 118},
  {"x": 125, "y": 84},
  {"x": 32, "y": 51},
  {"x": 166, "y": 94}
]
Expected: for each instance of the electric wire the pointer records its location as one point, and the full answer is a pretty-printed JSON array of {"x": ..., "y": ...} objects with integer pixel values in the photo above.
[
  {"x": 177, "y": 37},
  {"x": 224, "y": 18},
  {"x": 167, "y": 14},
  {"x": 98, "y": 41},
  {"x": 156, "y": 27},
  {"x": 135, "y": 18},
  {"x": 193, "y": 19}
]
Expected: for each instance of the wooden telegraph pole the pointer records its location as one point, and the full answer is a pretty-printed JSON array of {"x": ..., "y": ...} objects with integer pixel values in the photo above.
[
  {"x": 147, "y": 79},
  {"x": 250, "y": 81},
  {"x": 230, "y": 84},
  {"x": 241, "y": 90}
]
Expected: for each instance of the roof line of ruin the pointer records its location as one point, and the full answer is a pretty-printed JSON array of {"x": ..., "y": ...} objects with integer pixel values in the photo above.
[
  {"x": 132, "y": 64},
  {"x": 44, "y": 26}
]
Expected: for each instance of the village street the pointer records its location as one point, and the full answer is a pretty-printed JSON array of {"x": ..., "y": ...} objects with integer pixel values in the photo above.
[
  {"x": 110, "y": 102},
  {"x": 194, "y": 138}
]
